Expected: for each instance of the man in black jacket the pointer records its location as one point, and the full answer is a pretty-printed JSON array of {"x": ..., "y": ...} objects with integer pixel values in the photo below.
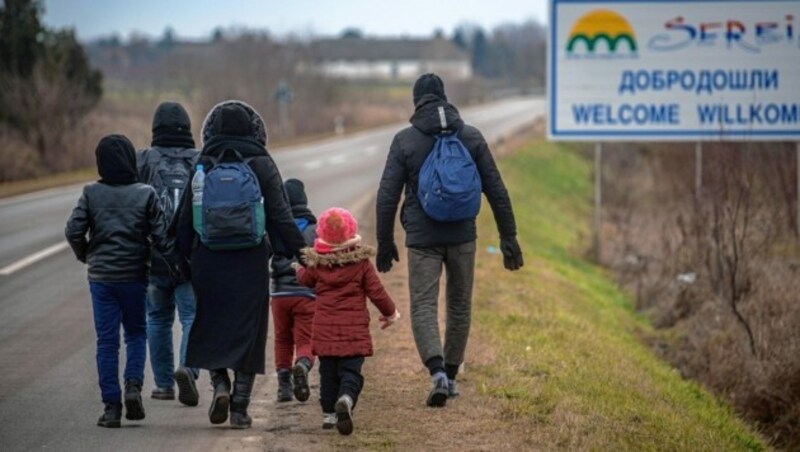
[
  {"x": 431, "y": 243},
  {"x": 166, "y": 166}
]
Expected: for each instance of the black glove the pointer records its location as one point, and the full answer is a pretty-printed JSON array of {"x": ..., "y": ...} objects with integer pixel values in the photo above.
[
  {"x": 512, "y": 254},
  {"x": 387, "y": 251},
  {"x": 179, "y": 269}
]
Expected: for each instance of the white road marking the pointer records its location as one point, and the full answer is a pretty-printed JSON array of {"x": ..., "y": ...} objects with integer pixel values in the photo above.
[
  {"x": 33, "y": 258},
  {"x": 338, "y": 159},
  {"x": 312, "y": 165}
]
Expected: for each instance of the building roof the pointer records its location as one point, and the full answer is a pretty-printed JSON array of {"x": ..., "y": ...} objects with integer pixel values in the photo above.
[{"x": 361, "y": 49}]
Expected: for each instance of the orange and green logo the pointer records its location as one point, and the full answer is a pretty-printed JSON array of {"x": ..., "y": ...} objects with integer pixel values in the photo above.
[{"x": 601, "y": 25}]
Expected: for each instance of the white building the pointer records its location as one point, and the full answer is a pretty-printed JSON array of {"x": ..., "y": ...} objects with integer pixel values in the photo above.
[{"x": 389, "y": 59}]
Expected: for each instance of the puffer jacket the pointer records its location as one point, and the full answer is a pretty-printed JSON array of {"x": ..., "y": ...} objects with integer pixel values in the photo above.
[
  {"x": 343, "y": 281},
  {"x": 407, "y": 154},
  {"x": 284, "y": 278}
]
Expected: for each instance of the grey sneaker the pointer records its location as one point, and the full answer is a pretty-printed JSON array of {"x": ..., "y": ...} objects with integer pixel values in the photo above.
[
  {"x": 328, "y": 420},
  {"x": 344, "y": 415},
  {"x": 452, "y": 389},
  {"x": 439, "y": 392},
  {"x": 300, "y": 380}
]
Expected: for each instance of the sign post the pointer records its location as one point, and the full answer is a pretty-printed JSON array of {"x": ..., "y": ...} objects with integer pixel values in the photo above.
[{"x": 698, "y": 170}]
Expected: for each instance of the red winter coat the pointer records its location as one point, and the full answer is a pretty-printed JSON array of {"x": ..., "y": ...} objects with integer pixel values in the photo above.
[{"x": 343, "y": 281}]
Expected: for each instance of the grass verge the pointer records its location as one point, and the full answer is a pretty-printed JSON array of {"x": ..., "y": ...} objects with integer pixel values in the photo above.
[{"x": 567, "y": 365}]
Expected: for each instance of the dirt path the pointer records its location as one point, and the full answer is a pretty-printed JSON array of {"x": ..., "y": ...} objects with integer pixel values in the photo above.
[{"x": 391, "y": 414}]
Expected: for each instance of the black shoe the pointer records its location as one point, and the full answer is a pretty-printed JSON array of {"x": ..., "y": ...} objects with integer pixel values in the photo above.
[
  {"x": 218, "y": 411},
  {"x": 344, "y": 415},
  {"x": 239, "y": 417},
  {"x": 134, "y": 409},
  {"x": 187, "y": 390},
  {"x": 111, "y": 416},
  {"x": 300, "y": 377},
  {"x": 438, "y": 395},
  {"x": 163, "y": 394},
  {"x": 240, "y": 399},
  {"x": 285, "y": 386}
]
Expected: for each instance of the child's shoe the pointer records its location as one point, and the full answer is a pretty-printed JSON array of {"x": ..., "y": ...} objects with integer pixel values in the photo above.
[
  {"x": 452, "y": 390},
  {"x": 344, "y": 415},
  {"x": 111, "y": 416},
  {"x": 328, "y": 420},
  {"x": 134, "y": 409},
  {"x": 439, "y": 392},
  {"x": 300, "y": 377},
  {"x": 285, "y": 385}
]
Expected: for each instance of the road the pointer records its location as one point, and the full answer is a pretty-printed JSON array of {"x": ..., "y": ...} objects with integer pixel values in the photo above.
[{"x": 48, "y": 390}]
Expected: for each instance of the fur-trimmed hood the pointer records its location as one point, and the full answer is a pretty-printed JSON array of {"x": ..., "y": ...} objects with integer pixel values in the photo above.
[
  {"x": 258, "y": 127},
  {"x": 313, "y": 258}
]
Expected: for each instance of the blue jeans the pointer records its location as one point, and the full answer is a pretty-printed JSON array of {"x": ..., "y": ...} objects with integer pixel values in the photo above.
[
  {"x": 163, "y": 296},
  {"x": 116, "y": 303}
]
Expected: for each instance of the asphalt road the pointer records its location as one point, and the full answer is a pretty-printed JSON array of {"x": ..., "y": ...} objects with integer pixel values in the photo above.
[{"x": 49, "y": 397}]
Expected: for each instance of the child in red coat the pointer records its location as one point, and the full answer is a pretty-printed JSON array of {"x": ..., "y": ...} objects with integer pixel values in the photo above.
[{"x": 340, "y": 272}]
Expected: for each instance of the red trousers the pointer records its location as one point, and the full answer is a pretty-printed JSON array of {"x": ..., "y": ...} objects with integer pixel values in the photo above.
[{"x": 293, "y": 317}]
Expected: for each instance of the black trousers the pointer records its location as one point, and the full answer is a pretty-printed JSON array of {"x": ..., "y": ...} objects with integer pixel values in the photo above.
[{"x": 339, "y": 376}]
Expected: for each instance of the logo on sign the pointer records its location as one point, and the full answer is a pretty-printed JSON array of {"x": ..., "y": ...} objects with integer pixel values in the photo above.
[{"x": 602, "y": 33}]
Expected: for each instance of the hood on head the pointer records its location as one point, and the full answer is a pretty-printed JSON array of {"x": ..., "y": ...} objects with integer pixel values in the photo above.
[
  {"x": 171, "y": 117},
  {"x": 434, "y": 116},
  {"x": 257, "y": 129},
  {"x": 428, "y": 84},
  {"x": 116, "y": 160},
  {"x": 296, "y": 192},
  {"x": 172, "y": 126}
]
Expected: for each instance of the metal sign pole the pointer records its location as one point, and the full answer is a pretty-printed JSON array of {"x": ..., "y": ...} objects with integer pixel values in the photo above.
[
  {"x": 698, "y": 170},
  {"x": 598, "y": 198}
]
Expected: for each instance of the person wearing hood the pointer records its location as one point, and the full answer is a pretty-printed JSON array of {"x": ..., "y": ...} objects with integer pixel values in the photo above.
[
  {"x": 232, "y": 285},
  {"x": 122, "y": 218},
  {"x": 432, "y": 244},
  {"x": 293, "y": 307},
  {"x": 166, "y": 166}
]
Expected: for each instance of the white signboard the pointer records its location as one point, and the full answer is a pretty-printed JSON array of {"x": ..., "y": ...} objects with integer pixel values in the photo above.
[{"x": 674, "y": 70}]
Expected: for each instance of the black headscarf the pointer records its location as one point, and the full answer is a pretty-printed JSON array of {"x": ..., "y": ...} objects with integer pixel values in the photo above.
[
  {"x": 428, "y": 84},
  {"x": 172, "y": 127},
  {"x": 116, "y": 160}
]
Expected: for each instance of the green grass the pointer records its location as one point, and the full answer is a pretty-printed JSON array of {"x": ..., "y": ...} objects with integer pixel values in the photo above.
[{"x": 567, "y": 362}]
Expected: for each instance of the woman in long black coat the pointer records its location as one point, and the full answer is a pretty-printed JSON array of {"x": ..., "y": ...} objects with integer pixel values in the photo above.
[{"x": 232, "y": 287}]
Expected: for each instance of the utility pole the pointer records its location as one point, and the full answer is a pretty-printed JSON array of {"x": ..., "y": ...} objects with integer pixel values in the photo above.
[{"x": 698, "y": 170}]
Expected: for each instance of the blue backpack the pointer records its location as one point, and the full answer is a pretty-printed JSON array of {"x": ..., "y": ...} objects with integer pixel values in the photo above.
[
  {"x": 449, "y": 186},
  {"x": 233, "y": 209}
]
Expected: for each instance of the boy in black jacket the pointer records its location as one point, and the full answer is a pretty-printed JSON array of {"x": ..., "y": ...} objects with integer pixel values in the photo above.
[{"x": 121, "y": 216}]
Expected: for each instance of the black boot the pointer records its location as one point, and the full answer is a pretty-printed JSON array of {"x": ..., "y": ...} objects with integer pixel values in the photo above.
[
  {"x": 134, "y": 409},
  {"x": 285, "y": 385},
  {"x": 111, "y": 416},
  {"x": 240, "y": 399},
  {"x": 221, "y": 382},
  {"x": 300, "y": 375}
]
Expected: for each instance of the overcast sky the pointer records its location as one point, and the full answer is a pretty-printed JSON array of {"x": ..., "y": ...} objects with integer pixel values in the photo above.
[{"x": 197, "y": 18}]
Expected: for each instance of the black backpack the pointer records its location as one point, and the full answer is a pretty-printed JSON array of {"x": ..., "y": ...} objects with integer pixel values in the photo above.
[{"x": 169, "y": 174}]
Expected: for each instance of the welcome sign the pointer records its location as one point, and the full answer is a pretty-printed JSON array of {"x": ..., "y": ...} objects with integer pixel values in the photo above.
[{"x": 674, "y": 70}]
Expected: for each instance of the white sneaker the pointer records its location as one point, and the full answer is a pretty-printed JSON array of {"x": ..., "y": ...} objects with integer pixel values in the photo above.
[
  {"x": 344, "y": 415},
  {"x": 328, "y": 420}
]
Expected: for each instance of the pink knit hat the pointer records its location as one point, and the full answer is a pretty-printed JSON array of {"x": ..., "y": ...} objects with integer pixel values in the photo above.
[{"x": 336, "y": 226}]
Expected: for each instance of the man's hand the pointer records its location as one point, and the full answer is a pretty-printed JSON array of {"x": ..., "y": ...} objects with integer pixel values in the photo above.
[
  {"x": 386, "y": 322},
  {"x": 512, "y": 254},
  {"x": 387, "y": 251}
]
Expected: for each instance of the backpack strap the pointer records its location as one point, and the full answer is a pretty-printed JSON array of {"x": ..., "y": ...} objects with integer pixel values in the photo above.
[{"x": 225, "y": 153}]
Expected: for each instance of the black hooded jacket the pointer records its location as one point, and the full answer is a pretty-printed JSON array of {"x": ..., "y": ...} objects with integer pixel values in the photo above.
[
  {"x": 284, "y": 278},
  {"x": 120, "y": 216},
  {"x": 173, "y": 145},
  {"x": 407, "y": 154}
]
